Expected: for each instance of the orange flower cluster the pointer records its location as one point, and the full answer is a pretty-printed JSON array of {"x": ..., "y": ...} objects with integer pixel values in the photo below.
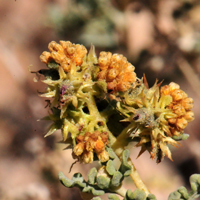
[
  {"x": 66, "y": 54},
  {"x": 89, "y": 143},
  {"x": 181, "y": 106},
  {"x": 117, "y": 71}
]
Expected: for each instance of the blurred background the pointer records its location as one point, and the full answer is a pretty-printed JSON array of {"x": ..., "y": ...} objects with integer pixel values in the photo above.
[{"x": 160, "y": 37}]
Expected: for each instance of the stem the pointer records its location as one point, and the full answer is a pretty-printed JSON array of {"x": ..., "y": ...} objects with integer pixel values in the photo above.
[
  {"x": 92, "y": 107},
  {"x": 121, "y": 141},
  {"x": 118, "y": 148},
  {"x": 137, "y": 179},
  {"x": 121, "y": 191},
  {"x": 107, "y": 112}
]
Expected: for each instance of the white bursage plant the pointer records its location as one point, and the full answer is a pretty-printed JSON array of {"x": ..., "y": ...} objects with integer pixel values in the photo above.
[{"x": 101, "y": 106}]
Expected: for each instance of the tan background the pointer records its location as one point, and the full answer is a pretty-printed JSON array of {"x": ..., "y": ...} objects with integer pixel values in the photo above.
[{"x": 161, "y": 38}]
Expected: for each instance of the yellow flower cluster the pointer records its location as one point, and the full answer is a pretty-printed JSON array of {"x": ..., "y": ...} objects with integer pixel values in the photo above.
[
  {"x": 154, "y": 115},
  {"x": 66, "y": 54},
  {"x": 89, "y": 143},
  {"x": 117, "y": 71},
  {"x": 181, "y": 105}
]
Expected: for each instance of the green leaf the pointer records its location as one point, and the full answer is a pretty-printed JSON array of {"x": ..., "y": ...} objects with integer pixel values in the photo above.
[
  {"x": 103, "y": 182},
  {"x": 110, "y": 168},
  {"x": 183, "y": 136},
  {"x": 113, "y": 197},
  {"x": 92, "y": 176},
  {"x": 151, "y": 197},
  {"x": 136, "y": 195},
  {"x": 111, "y": 153},
  {"x": 195, "y": 182},
  {"x": 77, "y": 180},
  {"x": 96, "y": 198},
  {"x": 125, "y": 168},
  {"x": 116, "y": 179},
  {"x": 64, "y": 180},
  {"x": 184, "y": 193},
  {"x": 92, "y": 190},
  {"x": 52, "y": 65},
  {"x": 174, "y": 196}
]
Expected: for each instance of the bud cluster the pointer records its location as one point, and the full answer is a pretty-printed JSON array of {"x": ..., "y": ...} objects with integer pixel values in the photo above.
[
  {"x": 89, "y": 143},
  {"x": 181, "y": 105},
  {"x": 117, "y": 71},
  {"x": 65, "y": 54}
]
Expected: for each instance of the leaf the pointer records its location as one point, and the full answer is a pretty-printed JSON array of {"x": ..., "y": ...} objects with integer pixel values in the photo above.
[
  {"x": 110, "y": 168},
  {"x": 111, "y": 153},
  {"x": 116, "y": 179},
  {"x": 95, "y": 192},
  {"x": 103, "y": 182},
  {"x": 113, "y": 197},
  {"x": 183, "y": 136},
  {"x": 92, "y": 176},
  {"x": 125, "y": 168},
  {"x": 151, "y": 197},
  {"x": 195, "y": 182},
  {"x": 136, "y": 195}
]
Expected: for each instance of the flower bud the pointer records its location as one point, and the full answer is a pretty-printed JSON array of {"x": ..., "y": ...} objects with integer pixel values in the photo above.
[
  {"x": 168, "y": 89},
  {"x": 88, "y": 157},
  {"x": 45, "y": 57},
  {"x": 178, "y": 95},
  {"x": 187, "y": 103},
  {"x": 90, "y": 144},
  {"x": 53, "y": 46},
  {"x": 117, "y": 71},
  {"x": 172, "y": 120},
  {"x": 104, "y": 60},
  {"x": 189, "y": 116},
  {"x": 79, "y": 148},
  {"x": 103, "y": 156},
  {"x": 179, "y": 109},
  {"x": 181, "y": 123},
  {"x": 99, "y": 146}
]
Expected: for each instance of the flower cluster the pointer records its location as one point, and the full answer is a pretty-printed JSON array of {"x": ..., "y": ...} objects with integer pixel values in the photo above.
[
  {"x": 181, "y": 105},
  {"x": 82, "y": 84},
  {"x": 117, "y": 71},
  {"x": 65, "y": 54},
  {"x": 155, "y": 116},
  {"x": 89, "y": 143}
]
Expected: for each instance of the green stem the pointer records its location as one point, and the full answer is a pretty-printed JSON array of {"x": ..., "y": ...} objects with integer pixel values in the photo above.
[
  {"x": 121, "y": 141},
  {"x": 137, "y": 179},
  {"x": 107, "y": 112},
  {"x": 121, "y": 191},
  {"x": 118, "y": 147},
  {"x": 92, "y": 107}
]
